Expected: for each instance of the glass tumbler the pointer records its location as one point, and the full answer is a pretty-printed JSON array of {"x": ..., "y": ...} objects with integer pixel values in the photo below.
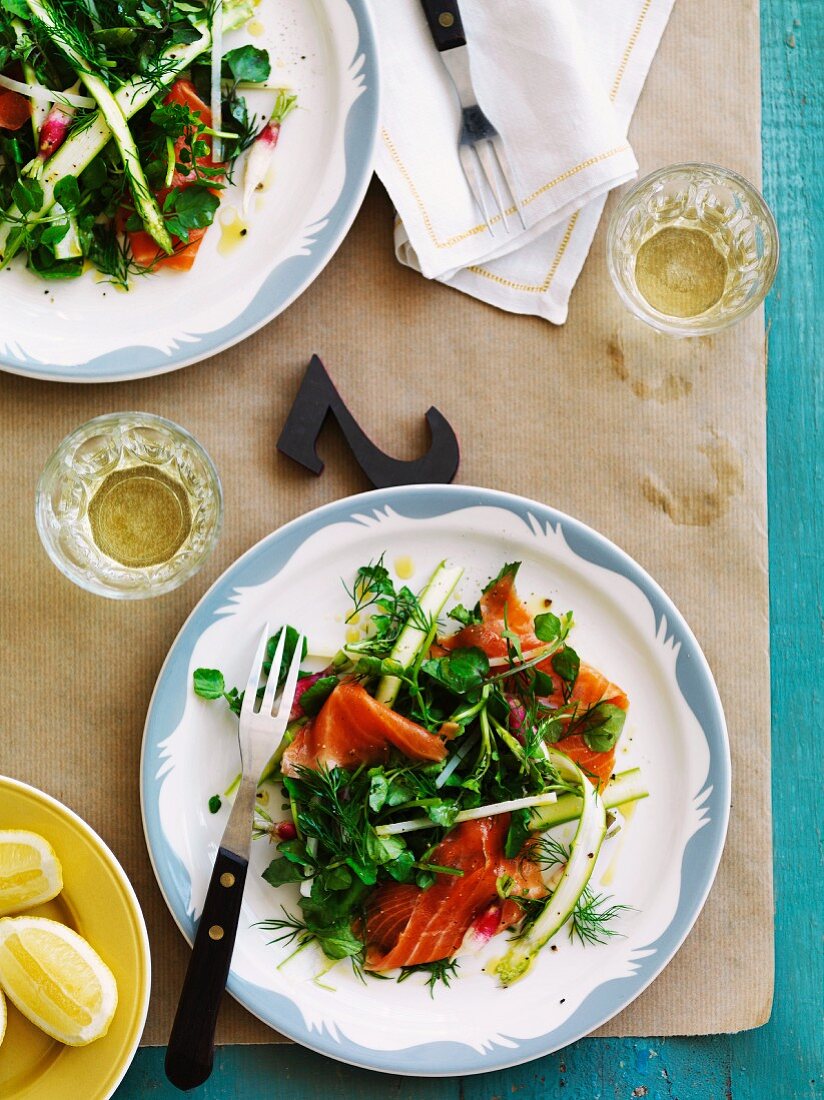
[
  {"x": 129, "y": 506},
  {"x": 692, "y": 284}
]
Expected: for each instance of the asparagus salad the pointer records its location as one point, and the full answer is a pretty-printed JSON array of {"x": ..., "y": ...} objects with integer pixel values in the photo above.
[
  {"x": 439, "y": 786},
  {"x": 121, "y": 123}
]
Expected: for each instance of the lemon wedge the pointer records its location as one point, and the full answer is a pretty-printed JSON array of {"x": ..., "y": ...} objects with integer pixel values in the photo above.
[
  {"x": 56, "y": 979},
  {"x": 30, "y": 871}
]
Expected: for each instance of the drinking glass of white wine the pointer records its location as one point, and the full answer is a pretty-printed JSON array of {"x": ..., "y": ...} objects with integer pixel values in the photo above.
[
  {"x": 129, "y": 505},
  {"x": 692, "y": 249}
]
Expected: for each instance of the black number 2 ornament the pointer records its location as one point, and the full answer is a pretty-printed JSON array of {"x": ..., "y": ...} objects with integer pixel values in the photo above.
[{"x": 317, "y": 397}]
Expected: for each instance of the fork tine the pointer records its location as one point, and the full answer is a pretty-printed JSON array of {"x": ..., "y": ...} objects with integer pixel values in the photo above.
[
  {"x": 250, "y": 694},
  {"x": 470, "y": 171},
  {"x": 274, "y": 676},
  {"x": 486, "y": 155},
  {"x": 506, "y": 172},
  {"x": 291, "y": 679}
]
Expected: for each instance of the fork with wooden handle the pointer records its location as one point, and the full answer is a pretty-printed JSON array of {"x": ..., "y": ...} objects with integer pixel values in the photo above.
[{"x": 191, "y": 1048}]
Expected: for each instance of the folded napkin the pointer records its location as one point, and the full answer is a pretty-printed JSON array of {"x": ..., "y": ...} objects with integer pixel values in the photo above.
[{"x": 559, "y": 79}]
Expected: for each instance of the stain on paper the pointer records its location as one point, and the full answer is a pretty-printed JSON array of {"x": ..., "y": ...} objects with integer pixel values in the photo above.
[
  {"x": 702, "y": 506},
  {"x": 647, "y": 380}
]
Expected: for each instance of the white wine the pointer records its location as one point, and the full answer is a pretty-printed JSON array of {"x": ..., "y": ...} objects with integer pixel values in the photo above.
[
  {"x": 140, "y": 516},
  {"x": 680, "y": 272}
]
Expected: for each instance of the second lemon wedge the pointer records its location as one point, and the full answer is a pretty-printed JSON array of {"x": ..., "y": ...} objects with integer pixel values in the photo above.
[
  {"x": 30, "y": 871},
  {"x": 56, "y": 979}
]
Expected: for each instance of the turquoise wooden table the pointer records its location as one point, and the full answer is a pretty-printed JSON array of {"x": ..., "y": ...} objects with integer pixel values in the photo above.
[{"x": 785, "y": 1058}]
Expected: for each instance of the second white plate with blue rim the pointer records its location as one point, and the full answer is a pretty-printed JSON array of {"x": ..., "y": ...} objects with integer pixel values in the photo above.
[
  {"x": 83, "y": 330},
  {"x": 662, "y": 865}
]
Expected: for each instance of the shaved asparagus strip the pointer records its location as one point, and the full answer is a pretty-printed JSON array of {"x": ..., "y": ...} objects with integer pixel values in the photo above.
[
  {"x": 416, "y": 823},
  {"x": 215, "y": 91},
  {"x": 144, "y": 200},
  {"x": 412, "y": 638},
  {"x": 584, "y": 849},
  {"x": 626, "y": 787},
  {"x": 83, "y": 145},
  {"x": 40, "y": 93}
]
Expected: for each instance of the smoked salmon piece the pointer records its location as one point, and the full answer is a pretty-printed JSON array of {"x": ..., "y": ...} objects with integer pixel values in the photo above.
[
  {"x": 353, "y": 728},
  {"x": 406, "y": 926},
  {"x": 502, "y": 608}
]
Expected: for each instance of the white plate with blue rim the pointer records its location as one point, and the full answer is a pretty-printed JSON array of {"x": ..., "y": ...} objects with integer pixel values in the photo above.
[
  {"x": 662, "y": 863},
  {"x": 83, "y": 330}
]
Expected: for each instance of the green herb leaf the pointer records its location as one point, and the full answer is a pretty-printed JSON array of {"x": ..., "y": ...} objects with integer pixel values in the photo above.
[
  {"x": 464, "y": 617},
  {"x": 378, "y": 792},
  {"x": 27, "y": 194},
  {"x": 248, "y": 63},
  {"x": 602, "y": 726},
  {"x": 281, "y": 871},
  {"x": 214, "y": 804},
  {"x": 208, "y": 683},
  {"x": 461, "y": 671},
  {"x": 67, "y": 193},
  {"x": 547, "y": 627},
  {"x": 401, "y": 869},
  {"x": 291, "y": 634},
  {"x": 443, "y": 813},
  {"x": 517, "y": 834},
  {"x": 16, "y": 7},
  {"x": 316, "y": 695},
  {"x": 566, "y": 663}
]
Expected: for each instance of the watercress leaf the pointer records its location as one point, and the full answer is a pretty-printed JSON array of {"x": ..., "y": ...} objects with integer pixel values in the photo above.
[
  {"x": 602, "y": 726},
  {"x": 54, "y": 232},
  {"x": 461, "y": 671},
  {"x": 544, "y": 684},
  {"x": 547, "y": 627},
  {"x": 281, "y": 871},
  {"x": 378, "y": 792},
  {"x": 248, "y": 63},
  {"x": 566, "y": 663},
  {"x": 366, "y": 872},
  {"x": 510, "y": 571},
  {"x": 27, "y": 194},
  {"x": 208, "y": 683},
  {"x": 316, "y": 694},
  {"x": 383, "y": 849},
  {"x": 16, "y": 7},
  {"x": 399, "y": 792},
  {"x": 517, "y": 834},
  {"x": 294, "y": 851},
  {"x": 443, "y": 813},
  {"x": 67, "y": 192},
  {"x": 291, "y": 634},
  {"x": 466, "y": 618},
  {"x": 195, "y": 209},
  {"x": 551, "y": 730},
  {"x": 339, "y": 942},
  {"x": 95, "y": 175},
  {"x": 424, "y": 879},
  {"x": 401, "y": 868},
  {"x": 215, "y": 803},
  {"x": 337, "y": 878}
]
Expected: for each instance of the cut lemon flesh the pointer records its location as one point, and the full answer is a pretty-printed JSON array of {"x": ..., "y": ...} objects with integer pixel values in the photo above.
[
  {"x": 56, "y": 979},
  {"x": 30, "y": 871}
]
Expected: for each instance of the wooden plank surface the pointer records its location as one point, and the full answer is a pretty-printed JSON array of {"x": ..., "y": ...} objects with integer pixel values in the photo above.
[{"x": 786, "y": 1057}]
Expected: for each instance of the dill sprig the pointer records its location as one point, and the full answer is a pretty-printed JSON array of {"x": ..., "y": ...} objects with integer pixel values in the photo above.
[
  {"x": 440, "y": 972},
  {"x": 592, "y": 916}
]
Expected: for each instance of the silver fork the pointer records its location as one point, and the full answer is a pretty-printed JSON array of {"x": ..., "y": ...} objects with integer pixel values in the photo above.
[
  {"x": 192, "y": 1041},
  {"x": 480, "y": 148}
]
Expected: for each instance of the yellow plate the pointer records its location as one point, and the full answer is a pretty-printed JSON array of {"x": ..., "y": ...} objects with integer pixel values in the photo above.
[{"x": 99, "y": 903}]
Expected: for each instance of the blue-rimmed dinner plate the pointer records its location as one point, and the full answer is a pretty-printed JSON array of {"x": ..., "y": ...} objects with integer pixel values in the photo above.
[
  {"x": 83, "y": 330},
  {"x": 662, "y": 864}
]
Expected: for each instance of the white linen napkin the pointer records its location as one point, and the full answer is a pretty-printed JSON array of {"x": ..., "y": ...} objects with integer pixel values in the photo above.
[{"x": 559, "y": 79}]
